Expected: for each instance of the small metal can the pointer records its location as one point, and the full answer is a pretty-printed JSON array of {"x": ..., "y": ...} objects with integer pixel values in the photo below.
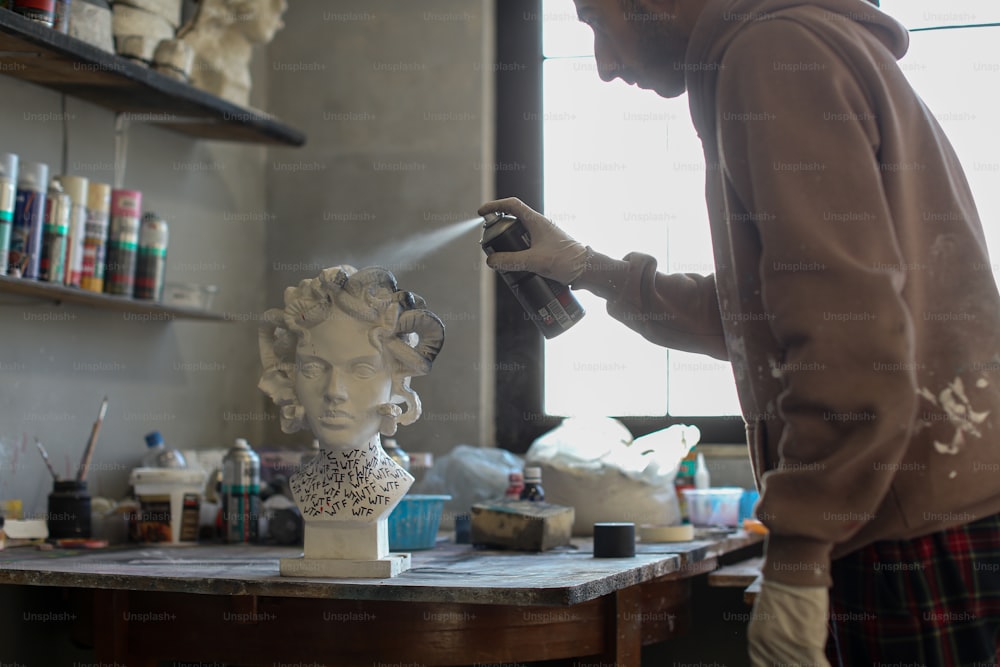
[
  {"x": 52, "y": 267},
  {"x": 240, "y": 493},
  {"x": 152, "y": 261},
  {"x": 123, "y": 242},
  {"x": 549, "y": 304}
]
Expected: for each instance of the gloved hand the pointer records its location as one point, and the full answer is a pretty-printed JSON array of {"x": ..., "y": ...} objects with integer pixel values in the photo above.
[
  {"x": 553, "y": 253},
  {"x": 789, "y": 626}
]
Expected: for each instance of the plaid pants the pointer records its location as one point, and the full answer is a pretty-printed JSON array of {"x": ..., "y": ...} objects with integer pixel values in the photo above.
[{"x": 933, "y": 601}]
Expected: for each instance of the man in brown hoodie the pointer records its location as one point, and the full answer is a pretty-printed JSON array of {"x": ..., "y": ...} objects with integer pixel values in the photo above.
[{"x": 854, "y": 298}]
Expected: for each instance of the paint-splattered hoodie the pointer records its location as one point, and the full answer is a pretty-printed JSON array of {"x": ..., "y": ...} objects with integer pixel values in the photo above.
[{"x": 853, "y": 292}]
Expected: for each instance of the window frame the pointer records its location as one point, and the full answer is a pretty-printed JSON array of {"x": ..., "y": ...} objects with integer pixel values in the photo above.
[{"x": 519, "y": 346}]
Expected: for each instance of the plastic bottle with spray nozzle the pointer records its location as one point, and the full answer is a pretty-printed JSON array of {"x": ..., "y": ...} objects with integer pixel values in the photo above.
[{"x": 158, "y": 455}]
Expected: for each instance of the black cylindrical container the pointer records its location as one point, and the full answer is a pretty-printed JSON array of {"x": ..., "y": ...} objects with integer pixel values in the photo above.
[
  {"x": 614, "y": 540},
  {"x": 549, "y": 304},
  {"x": 69, "y": 510}
]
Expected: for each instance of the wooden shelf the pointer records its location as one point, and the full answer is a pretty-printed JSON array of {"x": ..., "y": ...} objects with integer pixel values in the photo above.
[
  {"x": 33, "y": 52},
  {"x": 122, "y": 304}
]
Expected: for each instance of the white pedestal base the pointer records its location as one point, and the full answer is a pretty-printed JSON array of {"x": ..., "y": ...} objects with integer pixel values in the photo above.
[{"x": 383, "y": 568}]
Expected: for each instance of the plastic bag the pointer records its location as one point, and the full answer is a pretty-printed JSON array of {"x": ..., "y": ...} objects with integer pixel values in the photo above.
[
  {"x": 469, "y": 475},
  {"x": 594, "y": 466}
]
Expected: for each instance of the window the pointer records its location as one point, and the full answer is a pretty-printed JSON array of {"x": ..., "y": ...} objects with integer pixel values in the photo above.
[
  {"x": 597, "y": 158},
  {"x": 611, "y": 151}
]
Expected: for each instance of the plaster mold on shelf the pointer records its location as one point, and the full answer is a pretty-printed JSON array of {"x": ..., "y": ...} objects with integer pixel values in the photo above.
[
  {"x": 91, "y": 23},
  {"x": 138, "y": 32},
  {"x": 222, "y": 35}
]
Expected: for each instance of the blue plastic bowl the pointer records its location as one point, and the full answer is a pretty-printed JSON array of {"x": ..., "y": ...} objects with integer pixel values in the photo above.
[{"x": 413, "y": 524}]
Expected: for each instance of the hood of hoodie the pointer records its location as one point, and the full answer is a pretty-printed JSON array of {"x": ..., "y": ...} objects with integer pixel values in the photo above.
[{"x": 722, "y": 20}]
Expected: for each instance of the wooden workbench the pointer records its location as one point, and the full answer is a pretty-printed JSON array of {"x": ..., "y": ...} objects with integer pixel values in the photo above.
[
  {"x": 457, "y": 605},
  {"x": 743, "y": 574}
]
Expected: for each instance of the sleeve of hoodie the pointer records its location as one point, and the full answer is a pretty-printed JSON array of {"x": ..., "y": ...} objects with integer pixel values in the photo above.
[
  {"x": 676, "y": 310},
  {"x": 799, "y": 139}
]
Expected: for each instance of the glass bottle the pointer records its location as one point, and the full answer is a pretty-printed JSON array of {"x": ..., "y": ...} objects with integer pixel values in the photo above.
[
  {"x": 533, "y": 485},
  {"x": 515, "y": 484}
]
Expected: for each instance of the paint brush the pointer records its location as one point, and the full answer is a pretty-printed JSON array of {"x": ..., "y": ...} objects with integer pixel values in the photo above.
[
  {"x": 45, "y": 457},
  {"x": 81, "y": 474}
]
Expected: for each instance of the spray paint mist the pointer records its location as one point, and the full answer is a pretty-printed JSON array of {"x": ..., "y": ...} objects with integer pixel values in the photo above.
[{"x": 406, "y": 252}]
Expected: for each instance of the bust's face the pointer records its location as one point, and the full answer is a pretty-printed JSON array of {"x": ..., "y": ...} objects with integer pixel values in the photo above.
[
  {"x": 341, "y": 379},
  {"x": 262, "y": 19}
]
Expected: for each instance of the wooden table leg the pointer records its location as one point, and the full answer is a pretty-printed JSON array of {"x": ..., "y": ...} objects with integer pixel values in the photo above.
[
  {"x": 623, "y": 629},
  {"x": 628, "y": 640},
  {"x": 111, "y": 630}
]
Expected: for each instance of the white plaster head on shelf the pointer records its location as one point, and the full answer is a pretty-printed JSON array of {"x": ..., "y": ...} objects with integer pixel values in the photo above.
[
  {"x": 222, "y": 35},
  {"x": 338, "y": 360}
]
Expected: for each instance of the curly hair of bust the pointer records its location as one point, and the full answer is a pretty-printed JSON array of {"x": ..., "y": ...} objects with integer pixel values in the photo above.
[{"x": 408, "y": 336}]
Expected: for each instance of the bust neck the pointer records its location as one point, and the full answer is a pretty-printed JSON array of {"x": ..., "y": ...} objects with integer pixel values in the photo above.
[
  {"x": 351, "y": 484},
  {"x": 361, "y": 457}
]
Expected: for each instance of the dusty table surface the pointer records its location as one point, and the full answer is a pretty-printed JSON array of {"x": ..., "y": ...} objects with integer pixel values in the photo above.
[{"x": 448, "y": 573}]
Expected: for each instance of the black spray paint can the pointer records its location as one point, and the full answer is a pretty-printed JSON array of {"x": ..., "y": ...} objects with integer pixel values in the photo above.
[{"x": 549, "y": 304}]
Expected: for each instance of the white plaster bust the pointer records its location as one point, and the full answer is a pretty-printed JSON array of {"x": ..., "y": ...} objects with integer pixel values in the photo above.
[
  {"x": 338, "y": 360},
  {"x": 222, "y": 34}
]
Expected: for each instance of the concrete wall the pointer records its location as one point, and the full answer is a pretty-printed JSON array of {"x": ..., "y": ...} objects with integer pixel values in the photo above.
[
  {"x": 193, "y": 381},
  {"x": 396, "y": 102},
  {"x": 396, "y": 105}
]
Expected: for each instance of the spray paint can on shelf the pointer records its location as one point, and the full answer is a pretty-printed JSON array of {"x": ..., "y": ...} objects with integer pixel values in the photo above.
[
  {"x": 52, "y": 267},
  {"x": 29, "y": 214},
  {"x": 8, "y": 198},
  {"x": 550, "y": 305},
  {"x": 240, "y": 493},
  {"x": 123, "y": 242},
  {"x": 152, "y": 263},
  {"x": 42, "y": 11},
  {"x": 76, "y": 188},
  {"x": 95, "y": 235}
]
